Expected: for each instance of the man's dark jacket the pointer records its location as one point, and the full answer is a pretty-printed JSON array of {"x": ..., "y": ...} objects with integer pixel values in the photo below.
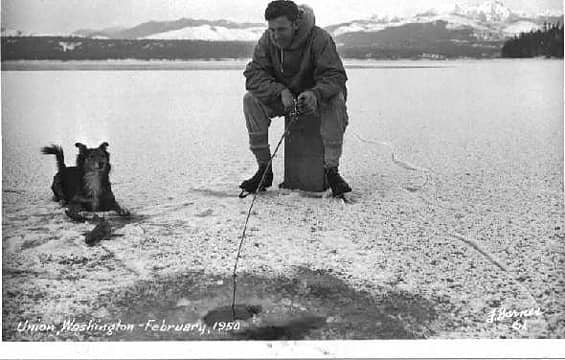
[{"x": 310, "y": 62}]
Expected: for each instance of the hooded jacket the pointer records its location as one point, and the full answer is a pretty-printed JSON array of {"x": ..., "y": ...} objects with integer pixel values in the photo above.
[{"x": 310, "y": 62}]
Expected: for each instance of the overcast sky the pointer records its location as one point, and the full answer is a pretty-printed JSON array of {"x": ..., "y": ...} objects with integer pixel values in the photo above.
[{"x": 64, "y": 16}]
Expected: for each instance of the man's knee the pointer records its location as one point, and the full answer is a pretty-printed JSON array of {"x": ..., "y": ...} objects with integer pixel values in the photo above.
[{"x": 252, "y": 105}]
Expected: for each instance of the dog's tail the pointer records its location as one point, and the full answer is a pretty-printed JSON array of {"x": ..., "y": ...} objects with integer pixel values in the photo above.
[{"x": 58, "y": 152}]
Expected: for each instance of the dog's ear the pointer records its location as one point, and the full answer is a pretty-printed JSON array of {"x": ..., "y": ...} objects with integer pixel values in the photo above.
[
  {"x": 103, "y": 146},
  {"x": 81, "y": 147}
]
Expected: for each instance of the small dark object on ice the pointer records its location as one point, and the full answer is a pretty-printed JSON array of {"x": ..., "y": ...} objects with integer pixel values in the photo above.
[
  {"x": 225, "y": 313},
  {"x": 295, "y": 329},
  {"x": 102, "y": 231}
]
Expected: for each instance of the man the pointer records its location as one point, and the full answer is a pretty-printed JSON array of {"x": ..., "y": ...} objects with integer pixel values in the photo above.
[{"x": 295, "y": 60}]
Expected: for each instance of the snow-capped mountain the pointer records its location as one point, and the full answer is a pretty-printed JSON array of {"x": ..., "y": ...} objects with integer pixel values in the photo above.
[
  {"x": 211, "y": 33},
  {"x": 490, "y": 20},
  {"x": 456, "y": 31},
  {"x": 489, "y": 11},
  {"x": 187, "y": 29}
]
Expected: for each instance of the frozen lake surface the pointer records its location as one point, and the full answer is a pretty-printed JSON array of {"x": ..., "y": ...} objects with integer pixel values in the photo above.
[
  {"x": 489, "y": 132},
  {"x": 174, "y": 130}
]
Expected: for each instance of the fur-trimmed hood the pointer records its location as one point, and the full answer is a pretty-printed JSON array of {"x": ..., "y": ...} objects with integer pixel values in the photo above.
[{"x": 306, "y": 21}]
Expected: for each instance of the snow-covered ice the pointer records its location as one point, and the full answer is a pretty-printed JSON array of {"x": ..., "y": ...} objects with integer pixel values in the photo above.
[{"x": 389, "y": 265}]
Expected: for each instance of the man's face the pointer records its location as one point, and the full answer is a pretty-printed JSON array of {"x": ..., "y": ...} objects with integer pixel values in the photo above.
[{"x": 282, "y": 31}]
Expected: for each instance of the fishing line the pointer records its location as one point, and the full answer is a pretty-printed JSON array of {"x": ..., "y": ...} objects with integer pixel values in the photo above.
[{"x": 293, "y": 115}]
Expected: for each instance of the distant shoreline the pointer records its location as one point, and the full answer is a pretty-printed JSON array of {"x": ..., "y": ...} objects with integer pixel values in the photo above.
[
  {"x": 221, "y": 64},
  {"x": 125, "y": 65}
]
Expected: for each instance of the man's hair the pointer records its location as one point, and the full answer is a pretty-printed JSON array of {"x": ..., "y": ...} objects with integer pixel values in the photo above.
[{"x": 280, "y": 8}]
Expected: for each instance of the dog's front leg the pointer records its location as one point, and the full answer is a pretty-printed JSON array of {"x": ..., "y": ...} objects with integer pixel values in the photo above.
[
  {"x": 108, "y": 202},
  {"x": 77, "y": 204},
  {"x": 120, "y": 210},
  {"x": 87, "y": 203},
  {"x": 73, "y": 212}
]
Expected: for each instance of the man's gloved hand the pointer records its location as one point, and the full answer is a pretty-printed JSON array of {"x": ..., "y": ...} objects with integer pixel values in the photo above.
[
  {"x": 307, "y": 102},
  {"x": 287, "y": 100}
]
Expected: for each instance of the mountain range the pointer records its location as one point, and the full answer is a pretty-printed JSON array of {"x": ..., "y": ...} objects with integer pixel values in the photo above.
[
  {"x": 490, "y": 20},
  {"x": 474, "y": 31},
  {"x": 182, "y": 29}
]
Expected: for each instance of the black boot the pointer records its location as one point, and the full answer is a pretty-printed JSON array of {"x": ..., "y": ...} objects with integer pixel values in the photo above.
[
  {"x": 251, "y": 185},
  {"x": 336, "y": 182}
]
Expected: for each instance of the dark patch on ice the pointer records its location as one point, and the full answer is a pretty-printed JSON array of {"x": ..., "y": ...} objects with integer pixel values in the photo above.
[
  {"x": 107, "y": 223},
  {"x": 74, "y": 260},
  {"x": 228, "y": 313},
  {"x": 29, "y": 244},
  {"x": 289, "y": 330},
  {"x": 13, "y": 191},
  {"x": 40, "y": 228},
  {"x": 42, "y": 216},
  {"x": 307, "y": 304},
  {"x": 217, "y": 193},
  {"x": 102, "y": 231},
  {"x": 19, "y": 272},
  {"x": 119, "y": 222}
]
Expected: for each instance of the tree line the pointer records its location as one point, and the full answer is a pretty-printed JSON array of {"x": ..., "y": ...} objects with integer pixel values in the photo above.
[
  {"x": 76, "y": 48},
  {"x": 547, "y": 41}
]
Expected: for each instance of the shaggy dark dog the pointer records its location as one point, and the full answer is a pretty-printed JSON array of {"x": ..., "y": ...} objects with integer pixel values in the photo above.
[{"x": 85, "y": 186}]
